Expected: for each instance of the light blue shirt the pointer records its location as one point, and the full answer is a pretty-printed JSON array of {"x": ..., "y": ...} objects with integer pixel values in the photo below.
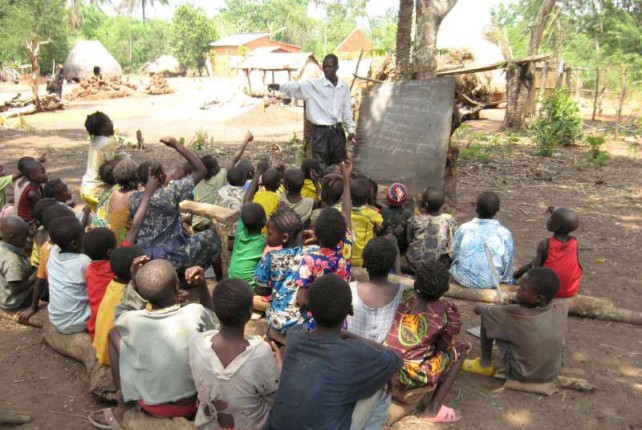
[
  {"x": 470, "y": 265},
  {"x": 68, "y": 300}
]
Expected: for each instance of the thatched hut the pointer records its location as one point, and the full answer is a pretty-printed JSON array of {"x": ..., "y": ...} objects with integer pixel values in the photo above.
[
  {"x": 165, "y": 65},
  {"x": 86, "y": 56}
]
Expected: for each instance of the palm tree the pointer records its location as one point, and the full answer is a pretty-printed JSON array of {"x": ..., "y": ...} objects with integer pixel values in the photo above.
[{"x": 132, "y": 5}]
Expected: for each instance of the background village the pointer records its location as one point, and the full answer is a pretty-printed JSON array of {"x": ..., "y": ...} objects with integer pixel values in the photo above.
[{"x": 210, "y": 93}]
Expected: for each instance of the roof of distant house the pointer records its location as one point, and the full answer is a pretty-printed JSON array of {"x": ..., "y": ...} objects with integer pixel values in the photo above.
[
  {"x": 239, "y": 39},
  {"x": 354, "y": 42}
]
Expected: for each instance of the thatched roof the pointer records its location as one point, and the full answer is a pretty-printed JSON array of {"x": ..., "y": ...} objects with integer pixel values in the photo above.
[{"x": 88, "y": 54}]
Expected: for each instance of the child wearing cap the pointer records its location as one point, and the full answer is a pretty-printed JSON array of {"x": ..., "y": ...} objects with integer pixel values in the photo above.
[{"x": 396, "y": 215}]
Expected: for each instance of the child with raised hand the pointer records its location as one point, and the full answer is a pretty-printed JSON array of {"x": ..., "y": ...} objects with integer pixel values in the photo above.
[
  {"x": 103, "y": 146},
  {"x": 16, "y": 277},
  {"x": 529, "y": 333},
  {"x": 293, "y": 198},
  {"x": 430, "y": 233},
  {"x": 236, "y": 376},
  {"x": 249, "y": 243},
  {"x": 37, "y": 175},
  {"x": 559, "y": 252},
  {"x": 326, "y": 371},
  {"x": 277, "y": 270},
  {"x": 98, "y": 245},
  {"x": 312, "y": 172},
  {"x": 149, "y": 348},
  {"x": 66, "y": 268},
  {"x": 366, "y": 221},
  {"x": 470, "y": 262}
]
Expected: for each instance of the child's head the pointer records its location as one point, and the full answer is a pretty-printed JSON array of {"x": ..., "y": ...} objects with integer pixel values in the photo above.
[
  {"x": 397, "y": 194},
  {"x": 379, "y": 257},
  {"x": 487, "y": 205},
  {"x": 157, "y": 282},
  {"x": 236, "y": 176},
  {"x": 41, "y": 206},
  {"x": 54, "y": 212},
  {"x": 36, "y": 172},
  {"x": 121, "y": 260},
  {"x": 106, "y": 172},
  {"x": 331, "y": 190},
  {"x": 253, "y": 217},
  {"x": 310, "y": 165},
  {"x": 125, "y": 174},
  {"x": 23, "y": 162},
  {"x": 58, "y": 190},
  {"x": 67, "y": 233},
  {"x": 271, "y": 179},
  {"x": 14, "y": 231},
  {"x": 99, "y": 124},
  {"x": 156, "y": 168},
  {"x": 562, "y": 221},
  {"x": 538, "y": 287},
  {"x": 360, "y": 191},
  {"x": 99, "y": 243},
  {"x": 330, "y": 300},
  {"x": 431, "y": 280},
  {"x": 284, "y": 227},
  {"x": 432, "y": 199},
  {"x": 330, "y": 228},
  {"x": 248, "y": 168},
  {"x": 293, "y": 180},
  {"x": 211, "y": 164},
  {"x": 233, "y": 302}
]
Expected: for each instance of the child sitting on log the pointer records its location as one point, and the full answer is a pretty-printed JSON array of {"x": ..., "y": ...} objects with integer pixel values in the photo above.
[
  {"x": 294, "y": 180},
  {"x": 249, "y": 243},
  {"x": 236, "y": 376},
  {"x": 312, "y": 172},
  {"x": 559, "y": 252},
  {"x": 16, "y": 277},
  {"x": 149, "y": 348},
  {"x": 529, "y": 333},
  {"x": 41, "y": 236}
]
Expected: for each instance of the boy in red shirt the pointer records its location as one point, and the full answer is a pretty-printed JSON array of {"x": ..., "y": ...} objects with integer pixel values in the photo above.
[{"x": 560, "y": 252}]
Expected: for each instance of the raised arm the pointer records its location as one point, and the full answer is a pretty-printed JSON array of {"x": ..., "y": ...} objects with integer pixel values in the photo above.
[
  {"x": 237, "y": 156},
  {"x": 198, "y": 168},
  {"x": 150, "y": 187},
  {"x": 293, "y": 89},
  {"x": 260, "y": 169},
  {"x": 346, "y": 207}
]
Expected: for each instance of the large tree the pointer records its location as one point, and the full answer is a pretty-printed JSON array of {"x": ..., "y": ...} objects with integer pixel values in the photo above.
[
  {"x": 132, "y": 5},
  {"x": 192, "y": 31}
]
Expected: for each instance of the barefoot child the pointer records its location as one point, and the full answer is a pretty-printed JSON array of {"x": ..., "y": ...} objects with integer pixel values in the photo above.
[
  {"x": 293, "y": 198},
  {"x": 236, "y": 376},
  {"x": 560, "y": 252},
  {"x": 16, "y": 277},
  {"x": 249, "y": 243},
  {"x": 529, "y": 333}
]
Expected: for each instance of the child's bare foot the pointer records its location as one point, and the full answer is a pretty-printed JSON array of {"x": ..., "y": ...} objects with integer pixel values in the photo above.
[{"x": 445, "y": 415}]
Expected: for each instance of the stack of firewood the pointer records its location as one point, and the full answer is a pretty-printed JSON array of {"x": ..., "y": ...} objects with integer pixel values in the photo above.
[
  {"x": 158, "y": 85},
  {"x": 96, "y": 85}
]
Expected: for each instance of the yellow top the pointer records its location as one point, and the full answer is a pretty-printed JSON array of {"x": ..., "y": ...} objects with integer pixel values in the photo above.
[
  {"x": 364, "y": 220},
  {"x": 105, "y": 319},
  {"x": 309, "y": 190},
  {"x": 269, "y": 200}
]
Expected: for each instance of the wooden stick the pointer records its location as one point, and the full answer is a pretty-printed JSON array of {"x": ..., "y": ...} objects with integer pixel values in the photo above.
[
  {"x": 597, "y": 90},
  {"x": 13, "y": 417},
  {"x": 356, "y": 70},
  {"x": 620, "y": 104}
]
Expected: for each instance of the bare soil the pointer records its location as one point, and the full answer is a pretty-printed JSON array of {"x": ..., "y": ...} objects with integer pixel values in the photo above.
[{"x": 608, "y": 199}]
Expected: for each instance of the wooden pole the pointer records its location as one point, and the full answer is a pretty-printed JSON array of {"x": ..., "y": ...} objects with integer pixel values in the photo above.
[
  {"x": 620, "y": 104},
  {"x": 597, "y": 90},
  {"x": 356, "y": 70}
]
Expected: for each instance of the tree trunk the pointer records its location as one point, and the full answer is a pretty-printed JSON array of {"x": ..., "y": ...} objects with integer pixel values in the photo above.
[
  {"x": 34, "y": 49},
  {"x": 430, "y": 13},
  {"x": 519, "y": 78},
  {"x": 142, "y": 4},
  {"x": 404, "y": 40}
]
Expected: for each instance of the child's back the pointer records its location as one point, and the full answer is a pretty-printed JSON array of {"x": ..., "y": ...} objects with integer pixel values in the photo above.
[
  {"x": 429, "y": 237},
  {"x": 15, "y": 286},
  {"x": 563, "y": 258},
  {"x": 97, "y": 245},
  {"x": 249, "y": 243},
  {"x": 365, "y": 220}
]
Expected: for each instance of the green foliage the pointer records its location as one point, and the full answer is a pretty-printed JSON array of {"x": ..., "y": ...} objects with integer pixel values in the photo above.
[
  {"x": 383, "y": 32},
  {"x": 597, "y": 154},
  {"x": 192, "y": 31},
  {"x": 200, "y": 140},
  {"x": 481, "y": 146},
  {"x": 25, "y": 20},
  {"x": 559, "y": 123}
]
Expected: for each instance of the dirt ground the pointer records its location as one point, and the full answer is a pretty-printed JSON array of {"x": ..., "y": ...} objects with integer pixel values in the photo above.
[{"x": 55, "y": 389}]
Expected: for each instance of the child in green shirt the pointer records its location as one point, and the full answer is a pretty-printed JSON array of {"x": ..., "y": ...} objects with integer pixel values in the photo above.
[{"x": 249, "y": 243}]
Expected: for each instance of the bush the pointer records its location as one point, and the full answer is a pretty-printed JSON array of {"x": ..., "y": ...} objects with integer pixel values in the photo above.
[
  {"x": 598, "y": 156},
  {"x": 559, "y": 123}
]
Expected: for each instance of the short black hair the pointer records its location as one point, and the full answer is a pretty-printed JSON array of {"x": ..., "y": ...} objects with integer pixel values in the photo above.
[
  {"x": 54, "y": 212},
  {"x": 433, "y": 199},
  {"x": 271, "y": 179},
  {"x": 236, "y": 176},
  {"x": 41, "y": 206},
  {"x": 248, "y": 168},
  {"x": 95, "y": 123},
  {"x": 431, "y": 278},
  {"x": 98, "y": 243},
  {"x": 487, "y": 204},
  {"x": 64, "y": 230},
  {"x": 310, "y": 164},
  {"x": 287, "y": 221},
  {"x": 253, "y": 216},
  {"x": 121, "y": 260},
  {"x": 211, "y": 164},
  {"x": 566, "y": 220},
  {"x": 106, "y": 172},
  {"x": 144, "y": 168},
  {"x": 23, "y": 162},
  {"x": 379, "y": 256},
  {"x": 55, "y": 189},
  {"x": 331, "y": 190},
  {"x": 360, "y": 191},
  {"x": 330, "y": 227},
  {"x": 157, "y": 281},
  {"x": 544, "y": 282},
  {"x": 330, "y": 300},
  {"x": 125, "y": 174},
  {"x": 332, "y": 57},
  {"x": 232, "y": 302},
  {"x": 294, "y": 179}
]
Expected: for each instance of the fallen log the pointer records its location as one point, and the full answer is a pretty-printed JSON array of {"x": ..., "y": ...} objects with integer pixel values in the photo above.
[
  {"x": 220, "y": 214},
  {"x": 13, "y": 417}
]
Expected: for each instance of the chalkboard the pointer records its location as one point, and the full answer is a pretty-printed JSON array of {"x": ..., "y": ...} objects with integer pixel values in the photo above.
[{"x": 403, "y": 132}]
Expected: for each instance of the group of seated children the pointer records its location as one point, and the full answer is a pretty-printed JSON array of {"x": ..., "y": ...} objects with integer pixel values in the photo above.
[{"x": 337, "y": 353}]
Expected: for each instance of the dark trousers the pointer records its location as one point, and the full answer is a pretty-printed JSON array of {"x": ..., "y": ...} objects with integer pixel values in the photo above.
[{"x": 328, "y": 145}]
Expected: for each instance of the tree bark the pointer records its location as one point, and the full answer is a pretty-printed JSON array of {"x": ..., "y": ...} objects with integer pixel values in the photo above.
[
  {"x": 34, "y": 49},
  {"x": 519, "y": 78},
  {"x": 404, "y": 40},
  {"x": 430, "y": 13}
]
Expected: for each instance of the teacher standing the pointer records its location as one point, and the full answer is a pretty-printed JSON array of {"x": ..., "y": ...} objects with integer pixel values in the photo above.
[{"x": 328, "y": 108}]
